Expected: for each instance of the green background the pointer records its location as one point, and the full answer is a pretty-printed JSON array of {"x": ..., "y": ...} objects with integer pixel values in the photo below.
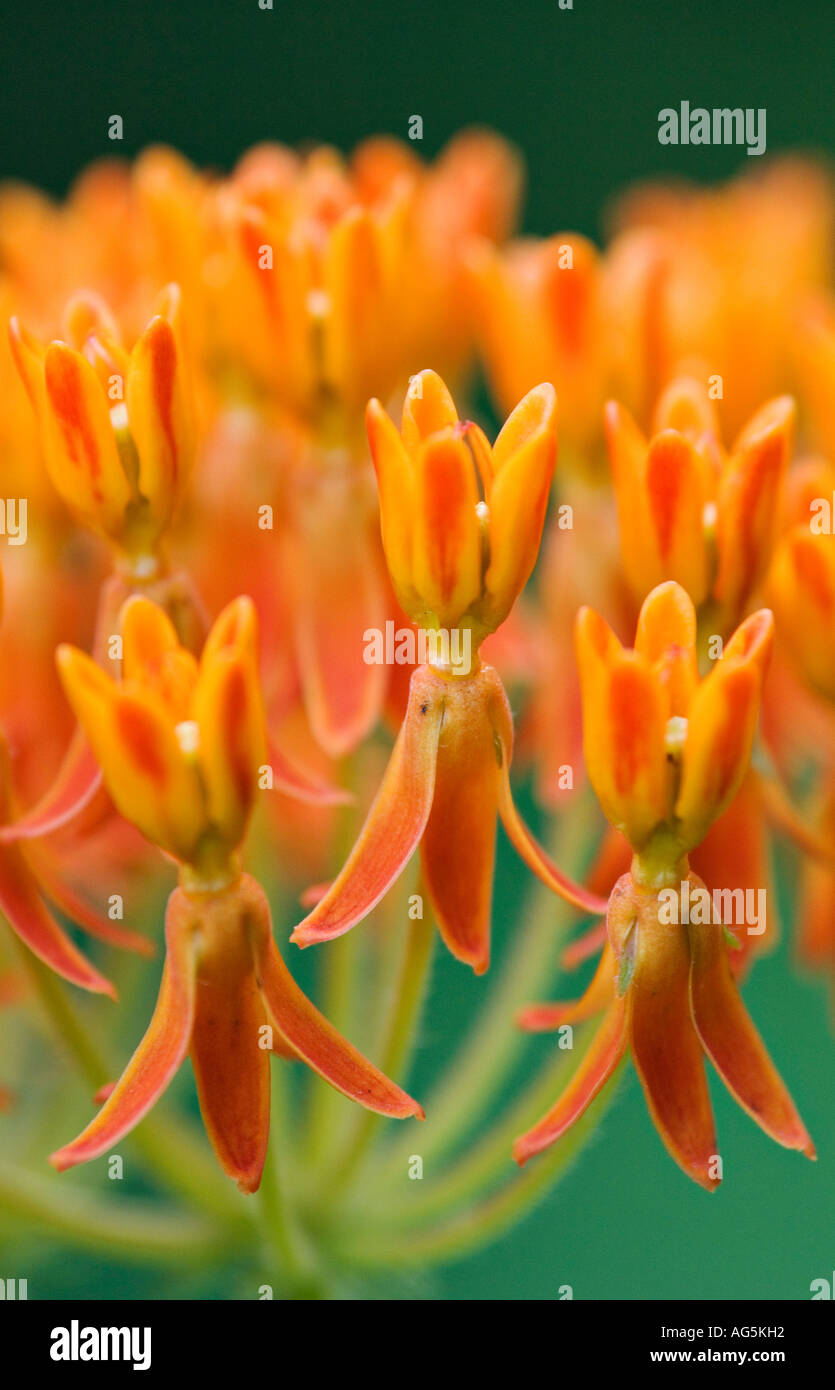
[{"x": 579, "y": 92}]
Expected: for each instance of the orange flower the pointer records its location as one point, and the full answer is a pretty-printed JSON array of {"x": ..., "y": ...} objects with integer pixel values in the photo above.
[
  {"x": 689, "y": 512},
  {"x": 666, "y": 755},
  {"x": 180, "y": 745},
  {"x": 538, "y": 313},
  {"x": 692, "y": 285},
  {"x": 801, "y": 581},
  {"x": 116, "y": 429},
  {"x": 665, "y": 752},
  {"x": 461, "y": 525}
]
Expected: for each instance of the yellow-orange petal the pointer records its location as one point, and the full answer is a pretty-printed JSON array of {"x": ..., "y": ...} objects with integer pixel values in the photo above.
[
  {"x": 722, "y": 722},
  {"x": 676, "y": 505},
  {"x": 524, "y": 457},
  {"x": 81, "y": 452},
  {"x": 427, "y": 409},
  {"x": 144, "y": 768},
  {"x": 624, "y": 722},
  {"x": 395, "y": 485},
  {"x": 666, "y": 636},
  {"x": 160, "y": 415},
  {"x": 447, "y": 539},
  {"x": 748, "y": 511}
]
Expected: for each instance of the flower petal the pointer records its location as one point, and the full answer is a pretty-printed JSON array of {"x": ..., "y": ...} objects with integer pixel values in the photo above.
[
  {"x": 524, "y": 456},
  {"x": 160, "y": 414},
  {"x": 308, "y": 1033},
  {"x": 231, "y": 1066},
  {"x": 339, "y": 595},
  {"x": 721, "y": 725},
  {"x": 158, "y": 1056},
  {"x": 624, "y": 721},
  {"x": 447, "y": 539},
  {"x": 81, "y": 454},
  {"x": 605, "y": 1052},
  {"x": 394, "y": 824},
  {"x": 144, "y": 768},
  {"x": 525, "y": 844},
  {"x": 77, "y": 782},
  {"x": 733, "y": 1044},
  {"x": 544, "y": 1018},
  {"x": 458, "y": 846},
  {"x": 32, "y": 921},
  {"x": 666, "y": 1048}
]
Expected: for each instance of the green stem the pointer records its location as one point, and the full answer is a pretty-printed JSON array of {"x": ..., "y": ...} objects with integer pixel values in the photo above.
[
  {"x": 470, "y": 1083},
  {"x": 487, "y": 1161},
  {"x": 477, "y": 1225},
  {"x": 134, "y": 1229},
  {"x": 399, "y": 1035}
]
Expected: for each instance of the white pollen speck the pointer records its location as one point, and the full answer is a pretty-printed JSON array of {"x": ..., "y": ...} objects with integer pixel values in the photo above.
[
  {"x": 188, "y": 735},
  {"x": 318, "y": 304}
]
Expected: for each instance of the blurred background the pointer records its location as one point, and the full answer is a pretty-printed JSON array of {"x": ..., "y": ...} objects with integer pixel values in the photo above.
[{"x": 578, "y": 91}]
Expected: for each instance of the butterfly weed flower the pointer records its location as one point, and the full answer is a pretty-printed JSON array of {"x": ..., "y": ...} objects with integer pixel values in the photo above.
[
  {"x": 180, "y": 743},
  {"x": 689, "y": 511},
  {"x": 666, "y": 753},
  {"x": 117, "y": 433},
  {"x": 116, "y": 428},
  {"x": 461, "y": 524}
]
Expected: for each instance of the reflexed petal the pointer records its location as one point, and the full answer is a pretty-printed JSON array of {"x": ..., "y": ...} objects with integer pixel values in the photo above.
[
  {"x": 665, "y": 1045},
  {"x": 76, "y": 784},
  {"x": 157, "y": 1057},
  {"x": 32, "y": 921},
  {"x": 734, "y": 1045},
  {"x": 308, "y": 1033},
  {"x": 231, "y": 1068},
  {"x": 52, "y": 877},
  {"x": 457, "y": 849},
  {"x": 543, "y": 1018},
  {"x": 525, "y": 844},
  {"x": 598, "y": 1064},
  {"x": 394, "y": 824}
]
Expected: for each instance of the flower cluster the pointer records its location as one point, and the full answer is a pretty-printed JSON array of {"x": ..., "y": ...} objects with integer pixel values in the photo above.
[{"x": 198, "y": 424}]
